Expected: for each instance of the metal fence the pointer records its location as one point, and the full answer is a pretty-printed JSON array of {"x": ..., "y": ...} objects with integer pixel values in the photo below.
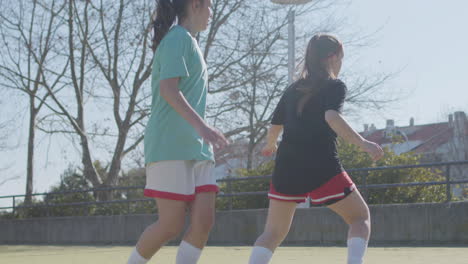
[{"x": 446, "y": 169}]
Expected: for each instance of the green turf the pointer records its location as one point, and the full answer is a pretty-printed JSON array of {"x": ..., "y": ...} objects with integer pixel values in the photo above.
[{"x": 232, "y": 255}]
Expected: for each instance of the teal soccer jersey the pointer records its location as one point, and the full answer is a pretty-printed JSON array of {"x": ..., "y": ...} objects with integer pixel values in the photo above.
[{"x": 168, "y": 136}]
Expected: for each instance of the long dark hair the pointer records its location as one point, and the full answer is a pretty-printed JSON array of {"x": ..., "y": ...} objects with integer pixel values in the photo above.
[
  {"x": 314, "y": 72},
  {"x": 166, "y": 13}
]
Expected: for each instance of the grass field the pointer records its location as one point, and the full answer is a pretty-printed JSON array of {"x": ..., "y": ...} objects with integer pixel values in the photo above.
[{"x": 232, "y": 255}]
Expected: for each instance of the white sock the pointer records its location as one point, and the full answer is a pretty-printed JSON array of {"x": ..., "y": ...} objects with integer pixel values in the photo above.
[
  {"x": 187, "y": 254},
  {"x": 136, "y": 258},
  {"x": 260, "y": 255},
  {"x": 356, "y": 249}
]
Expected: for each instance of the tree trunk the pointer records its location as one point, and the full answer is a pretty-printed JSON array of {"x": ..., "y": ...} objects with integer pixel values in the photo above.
[
  {"x": 89, "y": 170},
  {"x": 116, "y": 163},
  {"x": 30, "y": 159},
  {"x": 250, "y": 153}
]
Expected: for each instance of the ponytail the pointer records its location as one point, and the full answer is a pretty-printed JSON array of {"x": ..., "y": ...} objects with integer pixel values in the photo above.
[
  {"x": 165, "y": 18},
  {"x": 166, "y": 13}
]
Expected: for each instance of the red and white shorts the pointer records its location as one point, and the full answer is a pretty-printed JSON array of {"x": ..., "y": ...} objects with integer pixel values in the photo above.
[
  {"x": 179, "y": 179},
  {"x": 337, "y": 188}
]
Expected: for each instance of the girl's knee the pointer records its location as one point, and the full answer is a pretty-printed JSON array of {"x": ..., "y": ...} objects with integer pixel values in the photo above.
[
  {"x": 204, "y": 224},
  {"x": 172, "y": 229},
  {"x": 361, "y": 216},
  {"x": 361, "y": 225}
]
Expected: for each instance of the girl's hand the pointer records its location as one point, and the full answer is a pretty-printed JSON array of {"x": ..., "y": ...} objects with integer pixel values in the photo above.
[
  {"x": 374, "y": 150},
  {"x": 213, "y": 136}
]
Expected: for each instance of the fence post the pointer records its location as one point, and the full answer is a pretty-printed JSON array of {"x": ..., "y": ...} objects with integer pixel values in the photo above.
[
  {"x": 14, "y": 206},
  {"x": 47, "y": 208},
  {"x": 448, "y": 186},
  {"x": 229, "y": 189},
  {"x": 128, "y": 204}
]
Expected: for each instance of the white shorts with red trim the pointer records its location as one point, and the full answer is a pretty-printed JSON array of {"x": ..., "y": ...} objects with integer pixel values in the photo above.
[
  {"x": 337, "y": 188},
  {"x": 179, "y": 179}
]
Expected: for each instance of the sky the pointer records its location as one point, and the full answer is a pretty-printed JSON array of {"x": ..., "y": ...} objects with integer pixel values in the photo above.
[{"x": 424, "y": 42}]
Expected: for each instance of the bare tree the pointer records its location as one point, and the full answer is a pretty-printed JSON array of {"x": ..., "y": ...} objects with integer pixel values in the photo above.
[
  {"x": 5, "y": 131},
  {"x": 110, "y": 59},
  {"x": 246, "y": 57},
  {"x": 260, "y": 80},
  {"x": 28, "y": 33}
]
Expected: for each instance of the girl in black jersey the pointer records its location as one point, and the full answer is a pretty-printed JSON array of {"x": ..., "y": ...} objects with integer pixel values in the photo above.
[{"x": 307, "y": 164}]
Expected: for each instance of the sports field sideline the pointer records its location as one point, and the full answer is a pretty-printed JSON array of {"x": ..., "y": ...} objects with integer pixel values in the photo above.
[{"x": 232, "y": 255}]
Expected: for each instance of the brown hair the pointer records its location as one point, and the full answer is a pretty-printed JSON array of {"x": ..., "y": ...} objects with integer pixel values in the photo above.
[
  {"x": 314, "y": 72},
  {"x": 166, "y": 13}
]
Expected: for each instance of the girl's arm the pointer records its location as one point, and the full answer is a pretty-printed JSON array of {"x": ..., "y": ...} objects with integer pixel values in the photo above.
[
  {"x": 342, "y": 129},
  {"x": 272, "y": 138},
  {"x": 170, "y": 92}
]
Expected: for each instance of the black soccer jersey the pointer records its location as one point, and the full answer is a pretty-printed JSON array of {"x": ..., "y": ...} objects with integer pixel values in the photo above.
[{"x": 307, "y": 155}]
